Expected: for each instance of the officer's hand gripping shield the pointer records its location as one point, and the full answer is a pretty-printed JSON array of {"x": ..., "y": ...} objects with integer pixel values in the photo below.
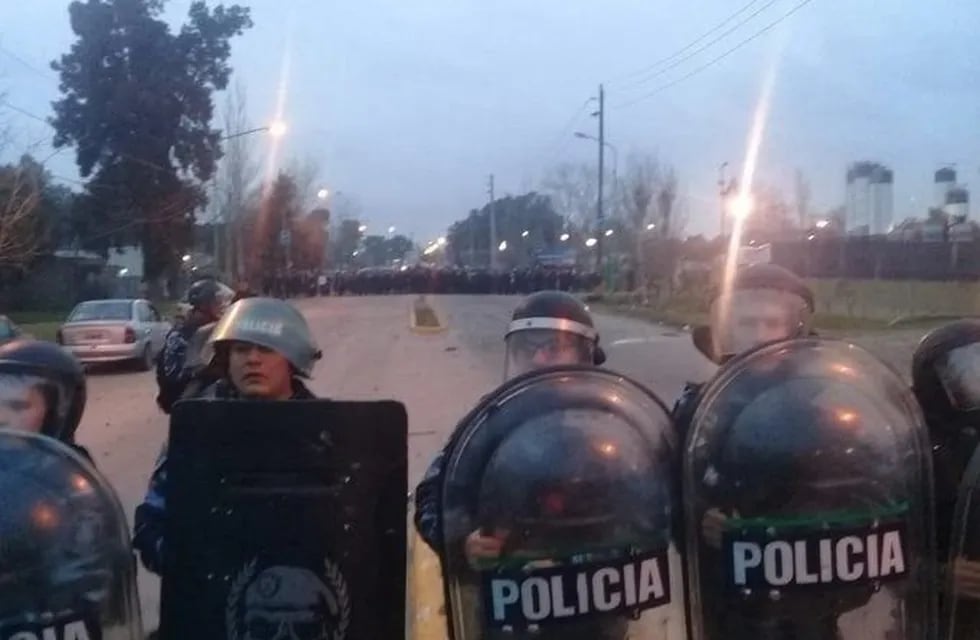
[
  {"x": 560, "y": 512},
  {"x": 808, "y": 493}
]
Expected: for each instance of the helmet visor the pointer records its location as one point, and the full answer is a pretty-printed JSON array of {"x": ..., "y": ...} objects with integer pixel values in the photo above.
[
  {"x": 959, "y": 373},
  {"x": 754, "y": 317},
  {"x": 32, "y": 403},
  {"x": 532, "y": 349}
]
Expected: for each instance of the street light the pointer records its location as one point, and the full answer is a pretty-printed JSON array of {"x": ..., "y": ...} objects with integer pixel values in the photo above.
[
  {"x": 354, "y": 255},
  {"x": 651, "y": 227},
  {"x": 502, "y": 246},
  {"x": 822, "y": 224},
  {"x": 612, "y": 147},
  {"x": 563, "y": 237},
  {"x": 186, "y": 258},
  {"x": 391, "y": 230},
  {"x": 609, "y": 232},
  {"x": 742, "y": 206},
  {"x": 323, "y": 194},
  {"x": 277, "y": 129},
  {"x": 591, "y": 242},
  {"x": 525, "y": 233},
  {"x": 362, "y": 228},
  {"x": 441, "y": 240}
]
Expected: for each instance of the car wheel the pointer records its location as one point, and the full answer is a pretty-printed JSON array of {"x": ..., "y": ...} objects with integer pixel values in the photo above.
[{"x": 146, "y": 360}]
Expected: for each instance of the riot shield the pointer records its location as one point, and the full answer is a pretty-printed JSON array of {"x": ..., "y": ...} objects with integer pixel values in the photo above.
[
  {"x": 807, "y": 488},
  {"x": 66, "y": 565},
  {"x": 961, "y": 617},
  {"x": 285, "y": 520},
  {"x": 560, "y": 512}
]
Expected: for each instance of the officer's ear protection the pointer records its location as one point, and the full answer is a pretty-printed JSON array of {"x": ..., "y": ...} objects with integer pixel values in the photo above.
[{"x": 701, "y": 337}]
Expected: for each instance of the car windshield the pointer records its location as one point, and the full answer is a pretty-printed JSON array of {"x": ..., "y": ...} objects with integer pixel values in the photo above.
[{"x": 105, "y": 310}]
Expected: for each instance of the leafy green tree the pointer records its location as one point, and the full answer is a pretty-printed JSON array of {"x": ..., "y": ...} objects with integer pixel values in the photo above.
[{"x": 137, "y": 106}]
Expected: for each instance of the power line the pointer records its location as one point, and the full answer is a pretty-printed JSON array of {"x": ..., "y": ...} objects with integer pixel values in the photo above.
[
  {"x": 701, "y": 49},
  {"x": 716, "y": 59},
  {"x": 34, "y": 116},
  {"x": 562, "y": 139},
  {"x": 685, "y": 48},
  {"x": 10, "y": 54}
]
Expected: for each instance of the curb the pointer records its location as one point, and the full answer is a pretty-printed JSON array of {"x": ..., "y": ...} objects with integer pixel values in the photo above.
[
  {"x": 413, "y": 322},
  {"x": 426, "y": 617}
]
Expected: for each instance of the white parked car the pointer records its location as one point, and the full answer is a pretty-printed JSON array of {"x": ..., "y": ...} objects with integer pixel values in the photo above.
[{"x": 114, "y": 331}]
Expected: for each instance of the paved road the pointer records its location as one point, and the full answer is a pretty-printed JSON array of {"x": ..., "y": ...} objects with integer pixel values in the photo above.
[{"x": 371, "y": 353}]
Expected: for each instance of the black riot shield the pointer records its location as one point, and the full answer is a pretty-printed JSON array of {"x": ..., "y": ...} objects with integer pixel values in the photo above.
[
  {"x": 560, "y": 513},
  {"x": 286, "y": 520},
  {"x": 807, "y": 485},
  {"x": 66, "y": 565}
]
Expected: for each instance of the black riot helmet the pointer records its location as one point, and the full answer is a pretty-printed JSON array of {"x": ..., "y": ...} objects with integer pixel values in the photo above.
[
  {"x": 42, "y": 388},
  {"x": 209, "y": 296},
  {"x": 551, "y": 328},
  {"x": 766, "y": 303},
  {"x": 66, "y": 567}
]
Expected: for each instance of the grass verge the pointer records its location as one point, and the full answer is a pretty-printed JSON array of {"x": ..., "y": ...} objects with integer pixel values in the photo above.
[{"x": 827, "y": 324}]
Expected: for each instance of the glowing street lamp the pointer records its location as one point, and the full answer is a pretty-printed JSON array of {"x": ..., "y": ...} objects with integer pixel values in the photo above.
[
  {"x": 609, "y": 232},
  {"x": 354, "y": 255},
  {"x": 278, "y": 129},
  {"x": 362, "y": 228},
  {"x": 525, "y": 233},
  {"x": 440, "y": 241},
  {"x": 563, "y": 237},
  {"x": 591, "y": 242},
  {"x": 651, "y": 227},
  {"x": 822, "y": 224},
  {"x": 391, "y": 229},
  {"x": 186, "y": 258},
  {"x": 742, "y": 206},
  {"x": 323, "y": 194},
  {"x": 502, "y": 246}
]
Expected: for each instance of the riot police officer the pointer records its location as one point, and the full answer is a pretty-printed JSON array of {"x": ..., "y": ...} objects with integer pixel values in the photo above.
[
  {"x": 547, "y": 328},
  {"x": 572, "y": 471},
  {"x": 207, "y": 299},
  {"x": 946, "y": 382},
  {"x": 550, "y": 328},
  {"x": 767, "y": 303},
  {"x": 42, "y": 389},
  {"x": 65, "y": 560},
  {"x": 263, "y": 349},
  {"x": 807, "y": 489}
]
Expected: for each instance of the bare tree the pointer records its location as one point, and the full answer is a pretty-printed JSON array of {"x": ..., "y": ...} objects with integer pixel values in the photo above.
[
  {"x": 20, "y": 200},
  {"x": 638, "y": 190},
  {"x": 237, "y": 175},
  {"x": 573, "y": 189},
  {"x": 306, "y": 173}
]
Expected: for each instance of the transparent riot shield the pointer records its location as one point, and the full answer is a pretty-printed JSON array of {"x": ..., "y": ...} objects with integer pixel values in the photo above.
[
  {"x": 66, "y": 565},
  {"x": 285, "y": 520},
  {"x": 961, "y": 614},
  {"x": 560, "y": 513},
  {"x": 807, "y": 487}
]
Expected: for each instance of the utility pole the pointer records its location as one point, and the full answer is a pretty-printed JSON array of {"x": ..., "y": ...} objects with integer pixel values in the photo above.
[
  {"x": 493, "y": 227},
  {"x": 602, "y": 147}
]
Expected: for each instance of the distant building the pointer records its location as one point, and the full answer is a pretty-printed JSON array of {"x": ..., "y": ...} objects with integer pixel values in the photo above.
[
  {"x": 957, "y": 203},
  {"x": 945, "y": 179},
  {"x": 869, "y": 207}
]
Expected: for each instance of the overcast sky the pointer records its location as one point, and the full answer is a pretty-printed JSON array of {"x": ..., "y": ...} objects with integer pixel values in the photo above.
[{"x": 408, "y": 106}]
